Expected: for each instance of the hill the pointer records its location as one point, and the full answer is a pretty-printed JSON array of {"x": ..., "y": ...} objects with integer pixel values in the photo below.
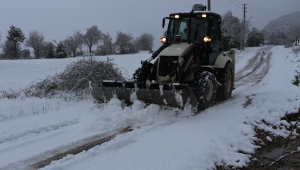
[{"x": 285, "y": 24}]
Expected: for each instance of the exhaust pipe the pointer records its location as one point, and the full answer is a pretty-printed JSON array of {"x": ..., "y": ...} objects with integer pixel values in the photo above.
[{"x": 208, "y": 5}]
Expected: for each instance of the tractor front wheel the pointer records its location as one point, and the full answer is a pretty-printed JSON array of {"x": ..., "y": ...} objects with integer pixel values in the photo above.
[{"x": 204, "y": 87}]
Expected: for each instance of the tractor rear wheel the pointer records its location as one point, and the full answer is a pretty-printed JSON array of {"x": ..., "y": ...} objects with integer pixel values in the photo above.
[
  {"x": 204, "y": 87},
  {"x": 225, "y": 78}
]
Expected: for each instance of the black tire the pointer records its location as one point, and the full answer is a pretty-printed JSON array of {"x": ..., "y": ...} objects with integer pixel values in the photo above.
[
  {"x": 143, "y": 73},
  {"x": 225, "y": 78},
  {"x": 204, "y": 87}
]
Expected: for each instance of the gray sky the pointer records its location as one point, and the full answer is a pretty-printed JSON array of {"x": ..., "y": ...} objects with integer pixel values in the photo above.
[{"x": 57, "y": 19}]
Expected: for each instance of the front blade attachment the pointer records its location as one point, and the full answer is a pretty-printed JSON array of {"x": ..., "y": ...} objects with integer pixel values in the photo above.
[{"x": 165, "y": 94}]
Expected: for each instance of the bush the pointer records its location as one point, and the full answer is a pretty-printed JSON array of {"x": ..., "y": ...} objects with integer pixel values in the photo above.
[
  {"x": 296, "y": 50},
  {"x": 255, "y": 38},
  {"x": 75, "y": 78},
  {"x": 296, "y": 82},
  {"x": 25, "y": 53},
  {"x": 61, "y": 51}
]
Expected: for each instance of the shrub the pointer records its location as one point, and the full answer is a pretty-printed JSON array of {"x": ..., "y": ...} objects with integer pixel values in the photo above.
[
  {"x": 25, "y": 53},
  {"x": 75, "y": 78}
]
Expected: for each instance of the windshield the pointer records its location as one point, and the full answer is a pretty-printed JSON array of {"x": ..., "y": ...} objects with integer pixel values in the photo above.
[{"x": 180, "y": 27}]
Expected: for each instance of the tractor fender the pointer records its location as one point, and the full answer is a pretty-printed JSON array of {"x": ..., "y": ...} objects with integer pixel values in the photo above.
[
  {"x": 208, "y": 68},
  {"x": 222, "y": 60}
]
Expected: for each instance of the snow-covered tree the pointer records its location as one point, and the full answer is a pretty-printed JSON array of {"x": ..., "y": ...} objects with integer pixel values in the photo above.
[
  {"x": 35, "y": 41},
  {"x": 145, "y": 42},
  {"x": 49, "y": 50},
  {"x": 10, "y": 51},
  {"x": 125, "y": 43},
  {"x": 61, "y": 51},
  {"x": 231, "y": 31},
  {"x": 234, "y": 32},
  {"x": 14, "y": 38},
  {"x": 25, "y": 53},
  {"x": 74, "y": 42},
  {"x": 255, "y": 38},
  {"x": 107, "y": 46},
  {"x": 92, "y": 37}
]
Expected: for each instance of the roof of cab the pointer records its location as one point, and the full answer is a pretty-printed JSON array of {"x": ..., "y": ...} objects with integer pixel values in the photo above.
[{"x": 196, "y": 13}]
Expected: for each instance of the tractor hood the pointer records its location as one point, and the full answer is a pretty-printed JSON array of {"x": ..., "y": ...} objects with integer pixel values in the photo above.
[{"x": 176, "y": 49}]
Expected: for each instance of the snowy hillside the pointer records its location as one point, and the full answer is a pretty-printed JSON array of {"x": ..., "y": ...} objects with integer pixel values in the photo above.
[
  {"x": 283, "y": 24},
  {"x": 58, "y": 133}
]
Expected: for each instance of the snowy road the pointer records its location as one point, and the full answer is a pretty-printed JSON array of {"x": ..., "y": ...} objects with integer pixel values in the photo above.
[
  {"x": 255, "y": 70},
  {"x": 161, "y": 139}
]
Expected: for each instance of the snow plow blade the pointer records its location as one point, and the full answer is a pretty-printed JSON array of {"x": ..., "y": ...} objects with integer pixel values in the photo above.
[{"x": 165, "y": 94}]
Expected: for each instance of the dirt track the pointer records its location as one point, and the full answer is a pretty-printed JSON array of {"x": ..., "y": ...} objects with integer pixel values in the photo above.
[{"x": 94, "y": 141}]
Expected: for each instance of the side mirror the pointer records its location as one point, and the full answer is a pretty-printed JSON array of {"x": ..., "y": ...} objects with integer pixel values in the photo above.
[{"x": 163, "y": 23}]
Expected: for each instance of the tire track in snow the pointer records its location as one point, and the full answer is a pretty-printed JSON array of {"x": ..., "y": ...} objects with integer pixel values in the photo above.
[
  {"x": 44, "y": 159},
  {"x": 77, "y": 150},
  {"x": 45, "y": 129},
  {"x": 255, "y": 70}
]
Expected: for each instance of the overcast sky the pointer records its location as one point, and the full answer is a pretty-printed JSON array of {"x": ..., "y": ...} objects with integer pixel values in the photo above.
[{"x": 57, "y": 19}]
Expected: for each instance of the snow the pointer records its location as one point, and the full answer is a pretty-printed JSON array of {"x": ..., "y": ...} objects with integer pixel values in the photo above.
[{"x": 34, "y": 129}]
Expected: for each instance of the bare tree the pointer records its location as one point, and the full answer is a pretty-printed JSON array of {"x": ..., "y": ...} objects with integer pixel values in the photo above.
[
  {"x": 92, "y": 37},
  {"x": 107, "y": 47},
  {"x": 74, "y": 42},
  {"x": 35, "y": 41},
  {"x": 145, "y": 42},
  {"x": 125, "y": 43}
]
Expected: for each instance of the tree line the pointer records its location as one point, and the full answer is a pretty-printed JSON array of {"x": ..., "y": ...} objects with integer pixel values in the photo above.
[
  {"x": 97, "y": 43},
  {"x": 287, "y": 37},
  {"x": 236, "y": 33}
]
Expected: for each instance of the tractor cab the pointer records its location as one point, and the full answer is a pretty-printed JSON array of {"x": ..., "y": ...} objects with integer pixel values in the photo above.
[{"x": 198, "y": 27}]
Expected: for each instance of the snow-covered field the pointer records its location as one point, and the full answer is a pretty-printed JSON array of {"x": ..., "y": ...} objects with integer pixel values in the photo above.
[{"x": 34, "y": 129}]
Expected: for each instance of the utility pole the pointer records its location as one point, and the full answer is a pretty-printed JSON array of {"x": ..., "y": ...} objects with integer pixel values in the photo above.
[{"x": 244, "y": 31}]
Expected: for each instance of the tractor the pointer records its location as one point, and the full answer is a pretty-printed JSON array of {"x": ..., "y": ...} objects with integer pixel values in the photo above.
[{"x": 189, "y": 67}]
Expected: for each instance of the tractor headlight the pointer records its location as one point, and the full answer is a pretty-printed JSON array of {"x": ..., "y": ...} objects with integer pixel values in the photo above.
[
  {"x": 176, "y": 16},
  {"x": 163, "y": 39},
  {"x": 207, "y": 39}
]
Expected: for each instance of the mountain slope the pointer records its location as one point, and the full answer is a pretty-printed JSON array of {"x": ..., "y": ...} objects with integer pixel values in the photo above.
[{"x": 283, "y": 24}]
